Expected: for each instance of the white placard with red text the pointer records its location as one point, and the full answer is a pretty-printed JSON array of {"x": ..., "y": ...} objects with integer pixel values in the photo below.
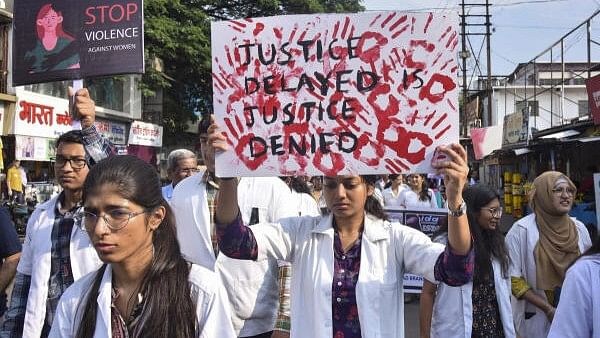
[
  {"x": 145, "y": 134},
  {"x": 333, "y": 94},
  {"x": 41, "y": 115}
]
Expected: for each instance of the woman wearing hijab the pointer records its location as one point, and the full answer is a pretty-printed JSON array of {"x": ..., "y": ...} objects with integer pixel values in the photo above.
[{"x": 541, "y": 247}]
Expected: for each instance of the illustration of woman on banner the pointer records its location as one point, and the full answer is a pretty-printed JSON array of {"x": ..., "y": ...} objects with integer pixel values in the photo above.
[{"x": 54, "y": 49}]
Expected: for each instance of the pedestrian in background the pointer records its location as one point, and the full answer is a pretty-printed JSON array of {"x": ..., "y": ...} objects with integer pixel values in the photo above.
[
  {"x": 578, "y": 312},
  {"x": 541, "y": 247},
  {"x": 181, "y": 163},
  {"x": 418, "y": 195},
  {"x": 391, "y": 195},
  {"x": 484, "y": 304},
  {"x": 144, "y": 288}
]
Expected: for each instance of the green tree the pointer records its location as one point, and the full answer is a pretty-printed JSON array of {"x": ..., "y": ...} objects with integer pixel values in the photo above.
[{"x": 177, "y": 32}]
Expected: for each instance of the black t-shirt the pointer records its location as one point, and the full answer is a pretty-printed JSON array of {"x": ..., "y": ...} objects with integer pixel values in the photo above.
[{"x": 9, "y": 245}]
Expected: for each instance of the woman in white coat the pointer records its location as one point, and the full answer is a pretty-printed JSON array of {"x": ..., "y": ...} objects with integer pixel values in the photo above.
[
  {"x": 419, "y": 195},
  {"x": 541, "y": 247},
  {"x": 578, "y": 312},
  {"x": 145, "y": 288},
  {"x": 485, "y": 310},
  {"x": 348, "y": 266}
]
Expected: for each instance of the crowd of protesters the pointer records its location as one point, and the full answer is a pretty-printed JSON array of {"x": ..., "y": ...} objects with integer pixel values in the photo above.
[{"x": 117, "y": 255}]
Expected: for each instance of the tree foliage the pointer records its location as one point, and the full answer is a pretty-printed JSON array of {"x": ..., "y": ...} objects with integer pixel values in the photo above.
[{"x": 177, "y": 33}]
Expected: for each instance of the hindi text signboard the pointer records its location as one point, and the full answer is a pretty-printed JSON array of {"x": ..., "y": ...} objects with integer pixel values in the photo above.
[
  {"x": 331, "y": 94},
  {"x": 65, "y": 39}
]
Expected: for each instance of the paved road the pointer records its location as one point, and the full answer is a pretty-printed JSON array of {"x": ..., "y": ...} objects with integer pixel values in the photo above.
[{"x": 411, "y": 319}]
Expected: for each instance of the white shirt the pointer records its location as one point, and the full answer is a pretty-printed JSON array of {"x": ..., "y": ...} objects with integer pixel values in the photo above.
[
  {"x": 36, "y": 259},
  {"x": 578, "y": 312},
  {"x": 212, "y": 312},
  {"x": 252, "y": 287},
  {"x": 305, "y": 204},
  {"x": 410, "y": 199},
  {"x": 388, "y": 251},
  {"x": 391, "y": 199},
  {"x": 521, "y": 241}
]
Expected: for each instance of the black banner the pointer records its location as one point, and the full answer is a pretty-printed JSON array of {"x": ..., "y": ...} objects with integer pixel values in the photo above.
[{"x": 66, "y": 39}]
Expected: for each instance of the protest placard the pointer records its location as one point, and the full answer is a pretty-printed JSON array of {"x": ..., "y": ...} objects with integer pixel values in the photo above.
[
  {"x": 426, "y": 220},
  {"x": 334, "y": 94},
  {"x": 64, "y": 39}
]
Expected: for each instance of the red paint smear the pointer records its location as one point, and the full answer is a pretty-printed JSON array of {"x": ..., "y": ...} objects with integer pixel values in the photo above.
[
  {"x": 451, "y": 104},
  {"x": 400, "y": 32},
  {"x": 243, "y": 25},
  {"x": 412, "y": 28},
  {"x": 385, "y": 22},
  {"x": 453, "y": 69},
  {"x": 439, "y": 121},
  {"x": 241, "y": 69},
  {"x": 346, "y": 23},
  {"x": 254, "y": 163},
  {"x": 337, "y": 161},
  {"x": 438, "y": 135},
  {"x": 228, "y": 52},
  {"x": 378, "y": 151},
  {"x": 335, "y": 29},
  {"x": 437, "y": 58},
  {"x": 351, "y": 32},
  {"x": 374, "y": 20},
  {"x": 446, "y": 82},
  {"x": 277, "y": 32},
  {"x": 429, "y": 18},
  {"x": 219, "y": 82},
  {"x": 429, "y": 117},
  {"x": 293, "y": 33},
  {"x": 445, "y": 33},
  {"x": 374, "y": 53},
  {"x": 393, "y": 104},
  {"x": 236, "y": 28},
  {"x": 398, "y": 22},
  {"x": 451, "y": 39},
  {"x": 232, "y": 130},
  {"x": 259, "y": 28},
  {"x": 446, "y": 64},
  {"x": 413, "y": 118}
]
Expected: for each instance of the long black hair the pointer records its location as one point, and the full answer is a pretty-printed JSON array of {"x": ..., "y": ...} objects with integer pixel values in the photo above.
[
  {"x": 487, "y": 243},
  {"x": 167, "y": 309},
  {"x": 373, "y": 205}
]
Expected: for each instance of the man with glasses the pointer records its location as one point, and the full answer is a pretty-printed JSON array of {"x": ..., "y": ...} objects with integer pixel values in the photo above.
[
  {"x": 181, "y": 163},
  {"x": 57, "y": 250}
]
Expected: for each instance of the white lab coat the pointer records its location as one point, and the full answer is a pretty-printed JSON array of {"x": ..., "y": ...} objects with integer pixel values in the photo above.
[
  {"x": 578, "y": 313},
  {"x": 387, "y": 252},
  {"x": 521, "y": 241},
  {"x": 457, "y": 321},
  {"x": 252, "y": 287},
  {"x": 212, "y": 312},
  {"x": 36, "y": 258},
  {"x": 306, "y": 205},
  {"x": 391, "y": 200},
  {"x": 409, "y": 199}
]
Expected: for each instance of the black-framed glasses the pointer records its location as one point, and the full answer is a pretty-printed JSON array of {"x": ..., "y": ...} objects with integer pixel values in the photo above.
[
  {"x": 496, "y": 212},
  {"x": 115, "y": 219},
  {"x": 559, "y": 191},
  {"x": 75, "y": 162}
]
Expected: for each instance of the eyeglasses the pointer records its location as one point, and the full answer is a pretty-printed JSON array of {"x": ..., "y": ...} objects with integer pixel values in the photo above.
[
  {"x": 115, "y": 219},
  {"x": 75, "y": 162},
  {"x": 560, "y": 191},
  {"x": 188, "y": 171},
  {"x": 496, "y": 212}
]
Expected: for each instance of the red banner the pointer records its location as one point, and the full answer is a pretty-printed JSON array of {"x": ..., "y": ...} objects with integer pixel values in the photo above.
[{"x": 593, "y": 88}]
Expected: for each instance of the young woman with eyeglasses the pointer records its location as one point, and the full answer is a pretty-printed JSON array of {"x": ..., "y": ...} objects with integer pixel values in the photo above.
[
  {"x": 484, "y": 304},
  {"x": 145, "y": 288},
  {"x": 541, "y": 247},
  {"x": 349, "y": 265}
]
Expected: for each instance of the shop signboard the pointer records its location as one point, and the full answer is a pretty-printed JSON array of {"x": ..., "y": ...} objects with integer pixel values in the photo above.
[
  {"x": 40, "y": 115},
  {"x": 426, "y": 220},
  {"x": 31, "y": 148},
  {"x": 335, "y": 94},
  {"x": 145, "y": 134},
  {"x": 66, "y": 39},
  {"x": 113, "y": 131},
  {"x": 516, "y": 128},
  {"x": 593, "y": 89}
]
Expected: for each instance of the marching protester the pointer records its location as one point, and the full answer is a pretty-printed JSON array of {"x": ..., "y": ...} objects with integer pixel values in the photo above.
[
  {"x": 541, "y": 247},
  {"x": 181, "y": 163},
  {"x": 252, "y": 287},
  {"x": 486, "y": 309},
  {"x": 145, "y": 288},
  {"x": 418, "y": 195},
  {"x": 10, "y": 252},
  {"x": 57, "y": 251},
  {"x": 14, "y": 182},
  {"x": 578, "y": 312},
  {"x": 328, "y": 295},
  {"x": 391, "y": 195}
]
